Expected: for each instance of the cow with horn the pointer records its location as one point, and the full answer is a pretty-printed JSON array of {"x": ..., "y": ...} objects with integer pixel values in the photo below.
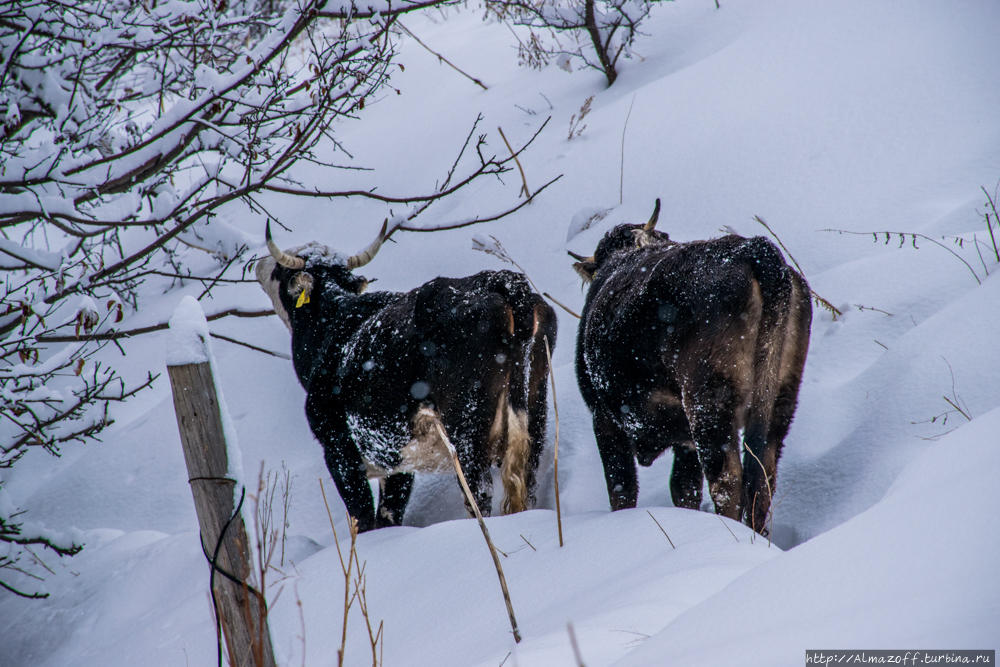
[
  {"x": 380, "y": 369},
  {"x": 698, "y": 347}
]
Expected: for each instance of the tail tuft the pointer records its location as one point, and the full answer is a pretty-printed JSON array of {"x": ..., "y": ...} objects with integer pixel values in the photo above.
[{"x": 513, "y": 471}]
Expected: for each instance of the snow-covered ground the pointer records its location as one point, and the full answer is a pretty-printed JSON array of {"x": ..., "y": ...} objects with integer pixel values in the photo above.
[{"x": 850, "y": 115}]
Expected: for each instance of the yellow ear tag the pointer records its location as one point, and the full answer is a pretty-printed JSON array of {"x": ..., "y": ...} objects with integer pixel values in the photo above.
[{"x": 303, "y": 299}]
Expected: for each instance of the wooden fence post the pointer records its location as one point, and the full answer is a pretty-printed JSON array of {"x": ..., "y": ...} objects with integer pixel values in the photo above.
[{"x": 238, "y": 605}]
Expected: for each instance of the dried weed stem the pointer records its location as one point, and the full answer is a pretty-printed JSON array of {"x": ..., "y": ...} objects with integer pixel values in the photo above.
[
  {"x": 661, "y": 528},
  {"x": 555, "y": 406},
  {"x": 820, "y": 301},
  {"x": 470, "y": 499},
  {"x": 524, "y": 187}
]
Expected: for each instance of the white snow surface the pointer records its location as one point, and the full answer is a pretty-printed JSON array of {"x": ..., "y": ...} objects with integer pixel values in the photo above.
[{"x": 849, "y": 115}]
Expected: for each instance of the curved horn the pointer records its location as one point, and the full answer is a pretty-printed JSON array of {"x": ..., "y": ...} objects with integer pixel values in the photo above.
[
  {"x": 579, "y": 258},
  {"x": 368, "y": 254},
  {"x": 280, "y": 256},
  {"x": 648, "y": 227}
]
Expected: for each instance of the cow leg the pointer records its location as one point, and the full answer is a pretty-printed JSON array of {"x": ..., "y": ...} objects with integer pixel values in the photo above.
[
  {"x": 711, "y": 411},
  {"x": 394, "y": 494},
  {"x": 686, "y": 477},
  {"x": 348, "y": 472},
  {"x": 619, "y": 463},
  {"x": 760, "y": 462},
  {"x": 758, "y": 474},
  {"x": 343, "y": 460},
  {"x": 470, "y": 441},
  {"x": 480, "y": 481}
]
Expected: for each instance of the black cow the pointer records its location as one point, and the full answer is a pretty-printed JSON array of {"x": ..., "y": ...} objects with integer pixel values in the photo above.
[
  {"x": 381, "y": 368},
  {"x": 686, "y": 345}
]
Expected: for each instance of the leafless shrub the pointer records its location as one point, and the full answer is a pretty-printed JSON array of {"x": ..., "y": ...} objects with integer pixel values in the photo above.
[
  {"x": 596, "y": 32},
  {"x": 354, "y": 576}
]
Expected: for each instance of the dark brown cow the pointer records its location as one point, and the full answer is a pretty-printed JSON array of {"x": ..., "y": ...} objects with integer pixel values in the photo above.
[
  {"x": 690, "y": 345},
  {"x": 380, "y": 369}
]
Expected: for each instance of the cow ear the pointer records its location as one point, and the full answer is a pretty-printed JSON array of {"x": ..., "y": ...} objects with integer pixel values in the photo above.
[
  {"x": 586, "y": 269},
  {"x": 300, "y": 288}
]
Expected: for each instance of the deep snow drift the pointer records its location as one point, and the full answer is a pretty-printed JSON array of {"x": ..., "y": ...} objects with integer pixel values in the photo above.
[{"x": 844, "y": 115}]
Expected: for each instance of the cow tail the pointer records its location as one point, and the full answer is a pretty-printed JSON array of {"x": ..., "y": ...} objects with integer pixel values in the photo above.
[
  {"x": 526, "y": 407},
  {"x": 775, "y": 280}
]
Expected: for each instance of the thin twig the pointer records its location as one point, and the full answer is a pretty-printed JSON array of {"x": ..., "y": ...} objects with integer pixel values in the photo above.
[
  {"x": 521, "y": 536},
  {"x": 280, "y": 355},
  {"x": 661, "y": 528},
  {"x": 877, "y": 310},
  {"x": 114, "y": 335},
  {"x": 524, "y": 188},
  {"x": 474, "y": 221},
  {"x": 442, "y": 58},
  {"x": 555, "y": 406}
]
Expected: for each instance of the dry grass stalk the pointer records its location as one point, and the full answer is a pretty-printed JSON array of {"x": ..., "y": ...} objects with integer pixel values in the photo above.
[
  {"x": 497, "y": 250},
  {"x": 527, "y": 542},
  {"x": 727, "y": 527},
  {"x": 661, "y": 528},
  {"x": 267, "y": 541},
  {"x": 524, "y": 188},
  {"x": 991, "y": 201},
  {"x": 820, "y": 301},
  {"x": 442, "y": 58},
  {"x": 575, "y": 645},
  {"x": 913, "y": 240},
  {"x": 770, "y": 497},
  {"x": 302, "y": 622},
  {"x": 560, "y": 304},
  {"x": 470, "y": 499},
  {"x": 621, "y": 176},
  {"x": 956, "y": 402},
  {"x": 376, "y": 639},
  {"x": 555, "y": 406},
  {"x": 574, "y": 122},
  {"x": 346, "y": 568},
  {"x": 225, "y": 634}
]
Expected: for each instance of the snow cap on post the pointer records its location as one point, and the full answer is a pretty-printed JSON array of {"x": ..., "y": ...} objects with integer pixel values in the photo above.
[{"x": 187, "y": 342}]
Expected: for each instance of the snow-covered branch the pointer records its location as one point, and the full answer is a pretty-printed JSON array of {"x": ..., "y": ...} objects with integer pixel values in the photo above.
[{"x": 126, "y": 129}]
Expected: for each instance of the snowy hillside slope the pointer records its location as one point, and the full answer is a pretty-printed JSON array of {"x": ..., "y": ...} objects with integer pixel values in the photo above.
[
  {"x": 845, "y": 115},
  {"x": 877, "y": 580}
]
